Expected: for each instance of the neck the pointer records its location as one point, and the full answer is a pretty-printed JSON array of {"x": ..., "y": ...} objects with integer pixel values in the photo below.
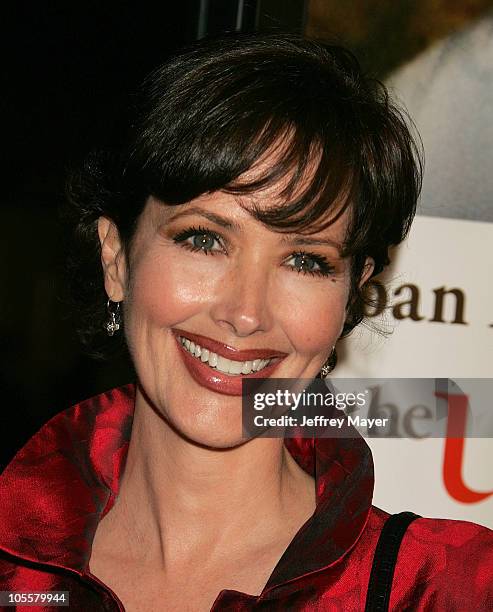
[{"x": 213, "y": 498}]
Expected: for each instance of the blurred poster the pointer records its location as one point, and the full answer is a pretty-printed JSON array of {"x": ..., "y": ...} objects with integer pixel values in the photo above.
[{"x": 440, "y": 303}]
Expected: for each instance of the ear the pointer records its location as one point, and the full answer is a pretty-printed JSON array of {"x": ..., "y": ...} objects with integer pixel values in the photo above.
[
  {"x": 112, "y": 259},
  {"x": 367, "y": 270}
]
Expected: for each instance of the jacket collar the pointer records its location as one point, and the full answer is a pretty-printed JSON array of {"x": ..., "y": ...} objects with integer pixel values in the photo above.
[{"x": 61, "y": 483}]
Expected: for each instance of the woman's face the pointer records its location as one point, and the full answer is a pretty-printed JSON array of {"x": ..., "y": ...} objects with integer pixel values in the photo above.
[{"x": 256, "y": 302}]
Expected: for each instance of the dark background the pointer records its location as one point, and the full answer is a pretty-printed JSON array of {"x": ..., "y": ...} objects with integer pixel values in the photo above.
[{"x": 67, "y": 71}]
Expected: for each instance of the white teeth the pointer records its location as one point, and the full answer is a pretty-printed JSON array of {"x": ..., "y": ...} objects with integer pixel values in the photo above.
[
  {"x": 228, "y": 366},
  {"x": 235, "y": 367},
  {"x": 223, "y": 364},
  {"x": 247, "y": 367}
]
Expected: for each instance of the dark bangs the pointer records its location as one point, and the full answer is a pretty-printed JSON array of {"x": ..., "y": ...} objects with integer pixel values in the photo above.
[
  {"x": 244, "y": 114},
  {"x": 212, "y": 114}
]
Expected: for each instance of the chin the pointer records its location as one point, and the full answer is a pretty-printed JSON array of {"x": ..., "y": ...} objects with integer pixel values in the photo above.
[
  {"x": 208, "y": 436},
  {"x": 212, "y": 425}
]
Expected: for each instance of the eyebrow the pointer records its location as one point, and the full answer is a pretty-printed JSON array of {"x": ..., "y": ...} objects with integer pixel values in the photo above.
[
  {"x": 306, "y": 241},
  {"x": 215, "y": 218},
  {"x": 296, "y": 240}
]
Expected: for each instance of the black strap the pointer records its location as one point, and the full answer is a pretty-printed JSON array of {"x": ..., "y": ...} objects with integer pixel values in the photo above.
[{"x": 382, "y": 571}]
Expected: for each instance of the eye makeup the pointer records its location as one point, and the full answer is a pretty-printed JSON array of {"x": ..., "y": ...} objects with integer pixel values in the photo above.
[{"x": 200, "y": 239}]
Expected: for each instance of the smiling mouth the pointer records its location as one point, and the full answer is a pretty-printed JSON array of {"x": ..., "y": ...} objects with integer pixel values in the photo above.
[{"x": 222, "y": 364}]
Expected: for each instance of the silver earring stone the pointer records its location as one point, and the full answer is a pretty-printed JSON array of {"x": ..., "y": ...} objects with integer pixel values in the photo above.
[
  {"x": 114, "y": 320},
  {"x": 330, "y": 364}
]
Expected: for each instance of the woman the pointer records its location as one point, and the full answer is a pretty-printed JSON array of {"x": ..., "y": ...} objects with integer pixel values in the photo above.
[{"x": 260, "y": 188}]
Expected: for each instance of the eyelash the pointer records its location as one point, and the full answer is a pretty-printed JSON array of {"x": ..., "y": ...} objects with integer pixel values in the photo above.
[
  {"x": 326, "y": 269},
  {"x": 196, "y": 231}
]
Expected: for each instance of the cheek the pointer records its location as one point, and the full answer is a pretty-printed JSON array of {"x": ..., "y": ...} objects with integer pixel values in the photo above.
[
  {"x": 165, "y": 290},
  {"x": 314, "y": 313}
]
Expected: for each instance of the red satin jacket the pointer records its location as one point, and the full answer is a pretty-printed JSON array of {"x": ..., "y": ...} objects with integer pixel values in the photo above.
[{"x": 59, "y": 486}]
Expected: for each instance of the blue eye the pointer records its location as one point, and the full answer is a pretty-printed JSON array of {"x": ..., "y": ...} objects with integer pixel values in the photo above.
[
  {"x": 305, "y": 262},
  {"x": 199, "y": 239},
  {"x": 203, "y": 241},
  {"x": 309, "y": 263}
]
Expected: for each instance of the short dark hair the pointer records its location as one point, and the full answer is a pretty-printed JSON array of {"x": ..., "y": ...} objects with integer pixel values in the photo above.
[{"x": 208, "y": 114}]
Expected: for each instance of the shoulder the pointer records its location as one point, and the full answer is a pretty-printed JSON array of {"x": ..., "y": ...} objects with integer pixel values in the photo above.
[
  {"x": 69, "y": 433},
  {"x": 460, "y": 545},
  {"x": 64, "y": 478},
  {"x": 443, "y": 564}
]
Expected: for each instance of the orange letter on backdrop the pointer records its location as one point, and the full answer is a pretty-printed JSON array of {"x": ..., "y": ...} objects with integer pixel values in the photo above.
[{"x": 454, "y": 451}]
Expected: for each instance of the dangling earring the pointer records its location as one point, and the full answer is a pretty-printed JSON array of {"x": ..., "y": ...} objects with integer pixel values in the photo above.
[
  {"x": 330, "y": 364},
  {"x": 114, "y": 320}
]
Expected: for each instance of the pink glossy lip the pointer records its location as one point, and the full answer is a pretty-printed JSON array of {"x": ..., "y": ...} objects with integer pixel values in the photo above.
[
  {"x": 228, "y": 351},
  {"x": 218, "y": 381}
]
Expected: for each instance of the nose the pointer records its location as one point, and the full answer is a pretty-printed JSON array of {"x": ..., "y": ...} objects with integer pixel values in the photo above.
[{"x": 243, "y": 303}]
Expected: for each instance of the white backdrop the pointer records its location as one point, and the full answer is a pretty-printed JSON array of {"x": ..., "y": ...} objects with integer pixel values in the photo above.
[
  {"x": 449, "y": 93},
  {"x": 409, "y": 473}
]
